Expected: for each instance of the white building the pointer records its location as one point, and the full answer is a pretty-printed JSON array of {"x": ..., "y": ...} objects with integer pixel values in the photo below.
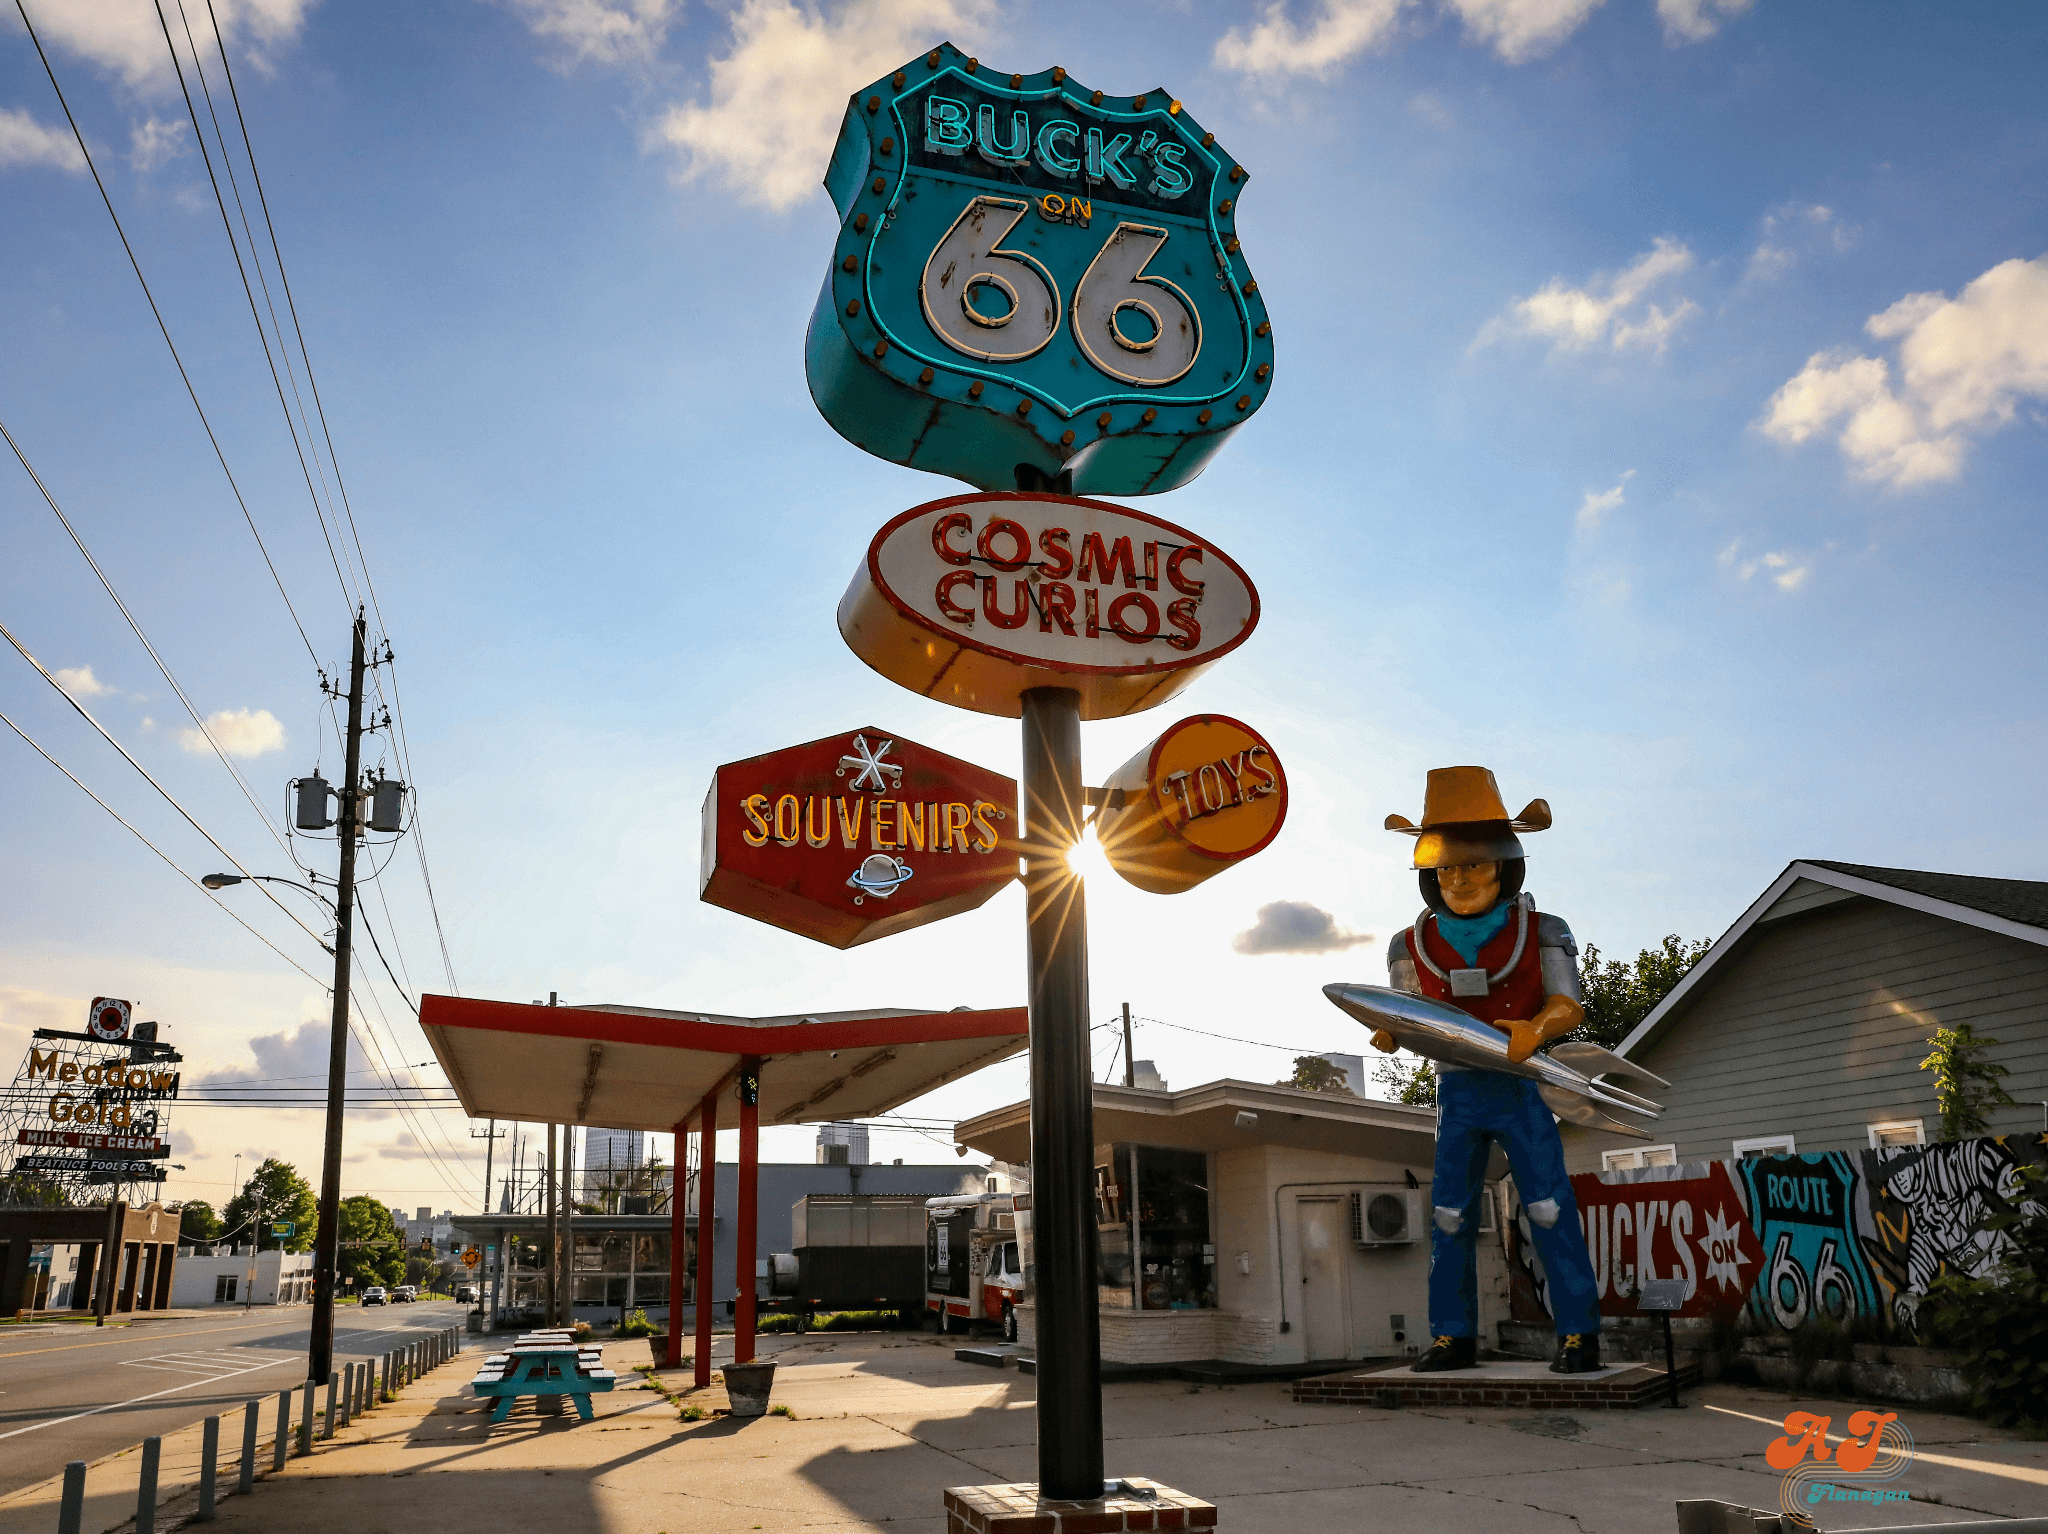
[
  {"x": 243, "y": 1278},
  {"x": 610, "y": 1157},
  {"x": 425, "y": 1225},
  {"x": 842, "y": 1145}
]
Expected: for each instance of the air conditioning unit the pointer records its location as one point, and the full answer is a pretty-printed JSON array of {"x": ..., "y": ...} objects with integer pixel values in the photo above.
[{"x": 1387, "y": 1219}]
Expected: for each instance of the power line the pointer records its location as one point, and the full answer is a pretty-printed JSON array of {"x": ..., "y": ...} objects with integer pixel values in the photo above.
[
  {"x": 173, "y": 803},
  {"x": 235, "y": 249},
  {"x": 184, "y": 376},
  {"x": 144, "y": 638},
  {"x": 396, "y": 705},
  {"x": 152, "y": 846}
]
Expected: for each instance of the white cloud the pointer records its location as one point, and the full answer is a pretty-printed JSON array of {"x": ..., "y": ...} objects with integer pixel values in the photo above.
[
  {"x": 777, "y": 98},
  {"x": 1430, "y": 107},
  {"x": 1614, "y": 310},
  {"x": 1964, "y": 366},
  {"x": 1782, "y": 568},
  {"x": 1594, "y": 508},
  {"x": 602, "y": 31},
  {"x": 240, "y": 731},
  {"x": 1296, "y": 926},
  {"x": 1277, "y": 45},
  {"x": 127, "y": 39},
  {"x": 24, "y": 141},
  {"x": 154, "y": 141},
  {"x": 1789, "y": 230},
  {"x": 1520, "y": 30},
  {"x": 1692, "y": 21},
  {"x": 79, "y": 681}
]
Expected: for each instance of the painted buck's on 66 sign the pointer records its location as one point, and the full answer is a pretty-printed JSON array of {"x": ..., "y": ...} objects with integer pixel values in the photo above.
[{"x": 1034, "y": 279}]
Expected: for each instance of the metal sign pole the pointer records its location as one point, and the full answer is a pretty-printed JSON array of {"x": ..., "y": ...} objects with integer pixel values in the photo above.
[{"x": 1062, "y": 1103}]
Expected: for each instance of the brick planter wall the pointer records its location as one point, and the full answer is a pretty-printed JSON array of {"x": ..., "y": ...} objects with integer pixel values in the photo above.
[
  {"x": 1018, "y": 1509},
  {"x": 1616, "y": 1389}
]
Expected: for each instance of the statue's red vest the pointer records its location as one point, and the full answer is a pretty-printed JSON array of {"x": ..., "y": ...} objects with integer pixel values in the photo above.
[{"x": 1518, "y": 996}]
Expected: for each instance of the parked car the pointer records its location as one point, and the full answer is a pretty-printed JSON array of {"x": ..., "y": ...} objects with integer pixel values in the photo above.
[
  {"x": 375, "y": 1296},
  {"x": 405, "y": 1294}
]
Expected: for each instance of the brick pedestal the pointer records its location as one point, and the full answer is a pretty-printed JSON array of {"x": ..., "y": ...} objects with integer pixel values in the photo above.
[
  {"x": 1519, "y": 1384},
  {"x": 1020, "y": 1510}
]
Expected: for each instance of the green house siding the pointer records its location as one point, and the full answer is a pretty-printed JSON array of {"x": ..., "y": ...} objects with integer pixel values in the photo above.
[{"x": 1816, "y": 1024}]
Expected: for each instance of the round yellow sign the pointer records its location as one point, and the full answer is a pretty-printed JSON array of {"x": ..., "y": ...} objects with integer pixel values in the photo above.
[{"x": 1208, "y": 793}]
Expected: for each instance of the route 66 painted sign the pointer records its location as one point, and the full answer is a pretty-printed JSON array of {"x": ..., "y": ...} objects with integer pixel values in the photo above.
[
  {"x": 856, "y": 837},
  {"x": 1035, "y": 285}
]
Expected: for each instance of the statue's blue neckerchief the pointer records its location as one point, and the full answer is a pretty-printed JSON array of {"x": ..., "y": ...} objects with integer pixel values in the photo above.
[{"x": 1469, "y": 934}]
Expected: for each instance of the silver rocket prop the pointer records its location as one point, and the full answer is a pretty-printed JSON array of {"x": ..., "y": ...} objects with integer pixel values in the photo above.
[{"x": 1563, "y": 1074}]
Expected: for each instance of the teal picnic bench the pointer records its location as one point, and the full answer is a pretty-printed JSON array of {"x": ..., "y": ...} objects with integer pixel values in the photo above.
[{"x": 543, "y": 1364}]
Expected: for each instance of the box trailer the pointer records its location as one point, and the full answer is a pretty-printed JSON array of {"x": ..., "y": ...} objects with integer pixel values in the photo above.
[{"x": 857, "y": 1251}]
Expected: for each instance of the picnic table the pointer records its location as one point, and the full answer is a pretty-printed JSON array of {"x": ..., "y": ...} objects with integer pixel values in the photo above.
[{"x": 539, "y": 1364}]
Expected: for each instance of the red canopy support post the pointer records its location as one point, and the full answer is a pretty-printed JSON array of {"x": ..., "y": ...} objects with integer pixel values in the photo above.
[
  {"x": 678, "y": 1249},
  {"x": 746, "y": 1208},
  {"x": 707, "y": 1213}
]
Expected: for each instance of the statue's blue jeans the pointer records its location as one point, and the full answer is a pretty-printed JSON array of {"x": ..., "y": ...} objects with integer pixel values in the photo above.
[{"x": 1475, "y": 1108}]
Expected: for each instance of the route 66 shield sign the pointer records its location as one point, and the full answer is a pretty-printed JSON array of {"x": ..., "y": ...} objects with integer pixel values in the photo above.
[{"x": 1035, "y": 285}]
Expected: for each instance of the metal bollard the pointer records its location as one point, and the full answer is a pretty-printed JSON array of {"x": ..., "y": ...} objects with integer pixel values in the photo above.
[
  {"x": 348, "y": 1393},
  {"x": 71, "y": 1511},
  {"x": 145, "y": 1494},
  {"x": 247, "y": 1482},
  {"x": 333, "y": 1392},
  {"x": 306, "y": 1421},
  {"x": 209, "y": 1456},
  {"x": 385, "y": 1377},
  {"x": 284, "y": 1430}
]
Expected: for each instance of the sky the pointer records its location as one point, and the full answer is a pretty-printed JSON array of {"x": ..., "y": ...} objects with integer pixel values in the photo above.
[{"x": 1660, "y": 417}]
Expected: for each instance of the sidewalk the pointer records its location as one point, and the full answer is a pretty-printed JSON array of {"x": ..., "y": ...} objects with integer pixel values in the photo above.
[{"x": 885, "y": 1422}]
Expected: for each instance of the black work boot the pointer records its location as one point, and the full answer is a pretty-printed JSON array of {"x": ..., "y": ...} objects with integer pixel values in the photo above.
[
  {"x": 1447, "y": 1353},
  {"x": 1578, "y": 1353}
]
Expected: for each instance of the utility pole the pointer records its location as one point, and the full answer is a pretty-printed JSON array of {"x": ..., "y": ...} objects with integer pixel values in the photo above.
[
  {"x": 1130, "y": 1071},
  {"x": 320, "y": 1349}
]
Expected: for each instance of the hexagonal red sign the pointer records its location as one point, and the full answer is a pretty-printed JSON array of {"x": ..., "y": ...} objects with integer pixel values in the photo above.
[{"x": 856, "y": 837}]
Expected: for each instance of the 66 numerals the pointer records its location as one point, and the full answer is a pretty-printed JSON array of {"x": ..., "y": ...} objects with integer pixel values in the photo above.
[{"x": 1114, "y": 304}]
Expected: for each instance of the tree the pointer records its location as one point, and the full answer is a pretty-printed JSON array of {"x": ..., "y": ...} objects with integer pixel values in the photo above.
[
  {"x": 279, "y": 1194},
  {"x": 1966, "y": 1086},
  {"x": 1412, "y": 1084},
  {"x": 1312, "y": 1073},
  {"x": 197, "y": 1223},
  {"x": 372, "y": 1250},
  {"x": 1619, "y": 995}
]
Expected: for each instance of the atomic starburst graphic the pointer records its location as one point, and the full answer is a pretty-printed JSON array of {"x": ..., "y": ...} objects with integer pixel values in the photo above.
[
  {"x": 867, "y": 765},
  {"x": 1723, "y": 1248}
]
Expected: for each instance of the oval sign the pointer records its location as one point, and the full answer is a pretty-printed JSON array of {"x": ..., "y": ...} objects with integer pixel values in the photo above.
[
  {"x": 975, "y": 599},
  {"x": 1208, "y": 793}
]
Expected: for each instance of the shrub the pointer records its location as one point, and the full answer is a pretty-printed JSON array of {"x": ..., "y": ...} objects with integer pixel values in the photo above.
[
  {"x": 636, "y": 1324},
  {"x": 1999, "y": 1325},
  {"x": 580, "y": 1331}
]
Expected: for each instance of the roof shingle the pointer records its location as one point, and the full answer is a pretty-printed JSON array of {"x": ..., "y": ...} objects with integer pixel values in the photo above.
[{"x": 2020, "y": 900}]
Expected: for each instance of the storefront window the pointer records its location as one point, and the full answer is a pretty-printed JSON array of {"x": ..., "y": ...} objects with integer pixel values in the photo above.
[
  {"x": 1113, "y": 1226},
  {"x": 1169, "y": 1198}
]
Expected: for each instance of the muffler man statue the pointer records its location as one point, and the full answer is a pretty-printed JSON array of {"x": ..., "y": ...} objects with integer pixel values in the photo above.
[{"x": 1482, "y": 947}]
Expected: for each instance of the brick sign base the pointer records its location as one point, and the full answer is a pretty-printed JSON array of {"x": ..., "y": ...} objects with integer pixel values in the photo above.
[
  {"x": 1019, "y": 1509},
  {"x": 1523, "y": 1385}
]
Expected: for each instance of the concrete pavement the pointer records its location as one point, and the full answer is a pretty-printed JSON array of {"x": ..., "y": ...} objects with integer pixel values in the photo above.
[{"x": 884, "y": 1423}]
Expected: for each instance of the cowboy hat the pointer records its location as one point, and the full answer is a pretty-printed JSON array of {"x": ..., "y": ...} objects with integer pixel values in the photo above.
[{"x": 1465, "y": 821}]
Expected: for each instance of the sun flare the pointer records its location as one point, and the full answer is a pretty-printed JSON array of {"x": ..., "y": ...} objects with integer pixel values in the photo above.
[{"x": 1086, "y": 856}]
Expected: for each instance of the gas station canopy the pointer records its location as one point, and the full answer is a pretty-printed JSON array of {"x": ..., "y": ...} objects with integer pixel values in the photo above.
[{"x": 642, "y": 1068}]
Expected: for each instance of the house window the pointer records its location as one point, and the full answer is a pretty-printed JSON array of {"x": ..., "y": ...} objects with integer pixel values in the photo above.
[
  {"x": 1640, "y": 1156},
  {"x": 1765, "y": 1145},
  {"x": 223, "y": 1288},
  {"x": 1900, "y": 1132}
]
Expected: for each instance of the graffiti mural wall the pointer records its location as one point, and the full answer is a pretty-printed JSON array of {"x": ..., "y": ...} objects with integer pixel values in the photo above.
[
  {"x": 1792, "y": 1239},
  {"x": 1926, "y": 1203}
]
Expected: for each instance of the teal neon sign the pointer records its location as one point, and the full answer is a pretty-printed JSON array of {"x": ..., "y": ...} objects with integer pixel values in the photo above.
[{"x": 1035, "y": 284}]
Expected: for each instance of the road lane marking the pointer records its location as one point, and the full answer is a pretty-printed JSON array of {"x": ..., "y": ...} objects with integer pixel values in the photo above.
[{"x": 138, "y": 1400}]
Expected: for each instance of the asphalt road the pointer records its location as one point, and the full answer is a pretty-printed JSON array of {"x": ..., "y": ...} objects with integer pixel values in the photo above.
[{"x": 79, "y": 1392}]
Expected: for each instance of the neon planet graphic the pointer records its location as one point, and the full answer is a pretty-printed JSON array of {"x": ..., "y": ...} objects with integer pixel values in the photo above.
[{"x": 879, "y": 875}]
